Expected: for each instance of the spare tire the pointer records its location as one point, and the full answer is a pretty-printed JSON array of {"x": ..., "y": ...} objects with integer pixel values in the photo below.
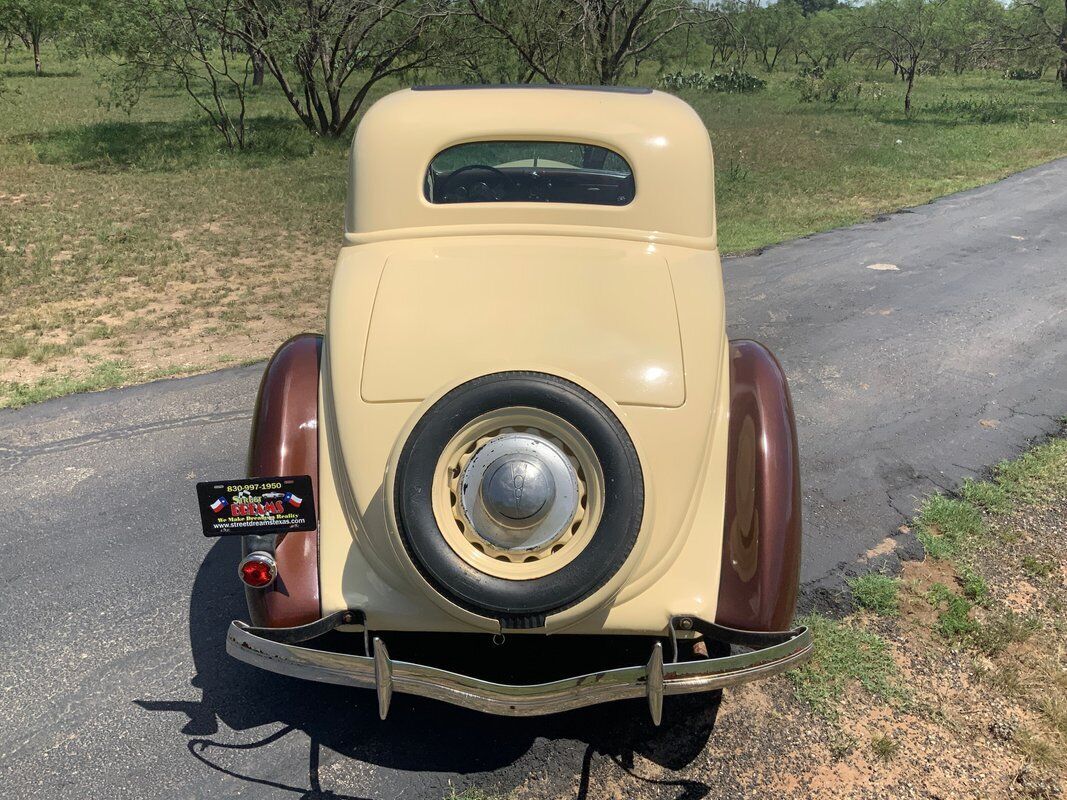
[{"x": 519, "y": 603}]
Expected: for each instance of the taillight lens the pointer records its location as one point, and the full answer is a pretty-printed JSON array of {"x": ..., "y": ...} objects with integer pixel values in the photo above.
[{"x": 257, "y": 569}]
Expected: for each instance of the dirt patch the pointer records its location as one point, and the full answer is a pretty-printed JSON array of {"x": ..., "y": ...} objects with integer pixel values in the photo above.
[{"x": 164, "y": 327}]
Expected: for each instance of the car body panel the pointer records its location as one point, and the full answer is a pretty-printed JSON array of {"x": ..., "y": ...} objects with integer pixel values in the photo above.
[
  {"x": 459, "y": 305},
  {"x": 661, "y": 137},
  {"x": 675, "y": 568}
]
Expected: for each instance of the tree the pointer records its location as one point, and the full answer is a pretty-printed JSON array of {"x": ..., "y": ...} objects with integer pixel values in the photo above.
[
  {"x": 540, "y": 35},
  {"x": 317, "y": 48},
  {"x": 184, "y": 41},
  {"x": 584, "y": 41},
  {"x": 33, "y": 21},
  {"x": 773, "y": 29},
  {"x": 903, "y": 32},
  {"x": 969, "y": 33},
  {"x": 1045, "y": 23},
  {"x": 828, "y": 37},
  {"x": 810, "y": 7}
]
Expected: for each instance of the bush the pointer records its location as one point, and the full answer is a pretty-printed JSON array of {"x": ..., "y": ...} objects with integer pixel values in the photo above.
[
  {"x": 1019, "y": 74},
  {"x": 735, "y": 81},
  {"x": 677, "y": 81},
  {"x": 829, "y": 85}
]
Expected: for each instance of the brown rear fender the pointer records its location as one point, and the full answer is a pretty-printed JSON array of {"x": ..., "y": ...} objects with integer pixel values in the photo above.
[
  {"x": 761, "y": 539},
  {"x": 285, "y": 442}
]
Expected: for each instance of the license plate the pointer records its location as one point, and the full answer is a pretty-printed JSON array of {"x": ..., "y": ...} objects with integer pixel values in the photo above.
[{"x": 257, "y": 506}]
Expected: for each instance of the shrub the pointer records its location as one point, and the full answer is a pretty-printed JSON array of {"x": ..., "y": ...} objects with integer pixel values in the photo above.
[
  {"x": 735, "y": 81},
  {"x": 677, "y": 81},
  {"x": 829, "y": 85},
  {"x": 837, "y": 82},
  {"x": 1019, "y": 74},
  {"x": 806, "y": 86}
]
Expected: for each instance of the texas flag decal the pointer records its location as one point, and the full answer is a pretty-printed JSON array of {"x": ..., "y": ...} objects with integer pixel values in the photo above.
[
  {"x": 219, "y": 504},
  {"x": 293, "y": 500}
]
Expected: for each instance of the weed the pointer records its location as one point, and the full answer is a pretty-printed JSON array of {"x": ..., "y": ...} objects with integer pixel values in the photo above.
[
  {"x": 14, "y": 347},
  {"x": 953, "y": 618},
  {"x": 1053, "y": 707},
  {"x": 102, "y": 376},
  {"x": 1038, "y": 749},
  {"x": 884, "y": 748},
  {"x": 981, "y": 109},
  {"x": 1036, "y": 567},
  {"x": 45, "y": 352},
  {"x": 1002, "y": 630},
  {"x": 946, "y": 526},
  {"x": 974, "y": 586},
  {"x": 734, "y": 81},
  {"x": 842, "y": 744},
  {"x": 1006, "y": 680},
  {"x": 843, "y": 655},
  {"x": 876, "y": 592}
]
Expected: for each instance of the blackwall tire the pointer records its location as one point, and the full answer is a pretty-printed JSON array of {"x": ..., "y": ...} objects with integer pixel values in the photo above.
[{"x": 519, "y": 603}]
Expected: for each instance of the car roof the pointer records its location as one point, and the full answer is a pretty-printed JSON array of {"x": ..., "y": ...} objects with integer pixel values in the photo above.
[{"x": 661, "y": 137}]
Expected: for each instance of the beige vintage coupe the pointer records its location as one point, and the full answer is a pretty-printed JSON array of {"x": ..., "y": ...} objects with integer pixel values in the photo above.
[{"x": 525, "y": 425}]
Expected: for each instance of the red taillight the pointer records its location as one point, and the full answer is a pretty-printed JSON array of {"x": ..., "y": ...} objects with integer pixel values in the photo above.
[{"x": 257, "y": 569}]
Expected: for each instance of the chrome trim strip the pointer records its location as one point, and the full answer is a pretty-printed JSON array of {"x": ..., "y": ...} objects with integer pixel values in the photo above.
[{"x": 653, "y": 680}]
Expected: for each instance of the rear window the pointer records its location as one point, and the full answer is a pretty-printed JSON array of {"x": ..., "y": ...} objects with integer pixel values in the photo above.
[{"x": 529, "y": 172}]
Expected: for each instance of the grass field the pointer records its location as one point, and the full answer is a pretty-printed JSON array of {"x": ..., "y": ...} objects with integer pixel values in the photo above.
[{"x": 133, "y": 246}]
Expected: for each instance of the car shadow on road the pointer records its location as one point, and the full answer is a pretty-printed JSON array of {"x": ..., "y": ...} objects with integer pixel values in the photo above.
[{"x": 419, "y": 736}]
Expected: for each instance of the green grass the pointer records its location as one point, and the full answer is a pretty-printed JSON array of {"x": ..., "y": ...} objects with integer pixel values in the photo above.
[
  {"x": 973, "y": 584},
  {"x": 106, "y": 375},
  {"x": 132, "y": 236},
  {"x": 786, "y": 169},
  {"x": 954, "y": 613},
  {"x": 876, "y": 592},
  {"x": 844, "y": 655},
  {"x": 946, "y": 526},
  {"x": 1036, "y": 472}
]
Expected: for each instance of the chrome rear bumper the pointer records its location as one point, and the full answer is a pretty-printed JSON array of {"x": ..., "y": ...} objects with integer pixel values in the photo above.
[{"x": 276, "y": 649}]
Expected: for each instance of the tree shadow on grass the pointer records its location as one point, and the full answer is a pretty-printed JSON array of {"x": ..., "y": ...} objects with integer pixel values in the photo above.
[
  {"x": 420, "y": 736},
  {"x": 170, "y": 146},
  {"x": 45, "y": 73}
]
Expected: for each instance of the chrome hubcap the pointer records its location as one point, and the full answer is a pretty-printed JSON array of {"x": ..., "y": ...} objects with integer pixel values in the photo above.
[{"x": 520, "y": 492}]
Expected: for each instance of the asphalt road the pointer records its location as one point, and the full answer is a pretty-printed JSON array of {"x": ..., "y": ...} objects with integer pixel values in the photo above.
[{"x": 114, "y": 677}]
